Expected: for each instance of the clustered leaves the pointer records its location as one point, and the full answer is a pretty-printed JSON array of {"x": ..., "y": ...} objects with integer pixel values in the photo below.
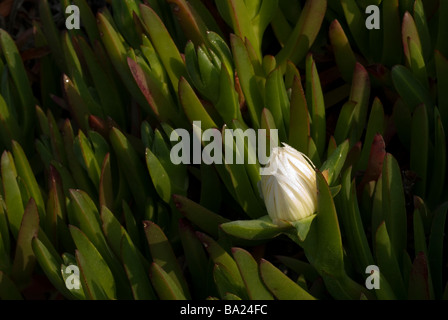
[{"x": 87, "y": 178}]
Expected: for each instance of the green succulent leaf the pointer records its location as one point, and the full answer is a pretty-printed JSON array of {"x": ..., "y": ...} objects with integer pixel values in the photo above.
[
  {"x": 196, "y": 259},
  {"x": 50, "y": 264},
  {"x": 394, "y": 206},
  {"x": 257, "y": 229},
  {"x": 282, "y": 287},
  {"x": 164, "y": 285},
  {"x": 247, "y": 77},
  {"x": 135, "y": 270},
  {"x": 164, "y": 45},
  {"x": 13, "y": 197},
  {"x": 205, "y": 219},
  {"x": 164, "y": 257},
  {"x": 387, "y": 260},
  {"x": 20, "y": 78},
  {"x": 97, "y": 279},
  {"x": 335, "y": 162},
  {"x": 344, "y": 55},
  {"x": 410, "y": 89},
  {"x": 24, "y": 259},
  {"x": 304, "y": 33},
  {"x": 159, "y": 176},
  {"x": 225, "y": 266},
  {"x": 130, "y": 163},
  {"x": 249, "y": 271}
]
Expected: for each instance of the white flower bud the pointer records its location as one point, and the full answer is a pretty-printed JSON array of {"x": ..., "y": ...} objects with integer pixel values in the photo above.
[{"x": 288, "y": 185}]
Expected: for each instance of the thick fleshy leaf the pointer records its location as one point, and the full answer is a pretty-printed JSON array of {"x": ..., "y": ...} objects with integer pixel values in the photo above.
[
  {"x": 77, "y": 173},
  {"x": 164, "y": 285},
  {"x": 360, "y": 93},
  {"x": 137, "y": 275},
  {"x": 124, "y": 12},
  {"x": 164, "y": 45},
  {"x": 84, "y": 214},
  {"x": 117, "y": 53},
  {"x": 205, "y": 219},
  {"x": 97, "y": 279},
  {"x": 420, "y": 284},
  {"x": 88, "y": 20},
  {"x": 196, "y": 259},
  {"x": 387, "y": 261},
  {"x": 352, "y": 224},
  {"x": 5, "y": 242},
  {"x": 159, "y": 176},
  {"x": 13, "y": 197},
  {"x": 20, "y": 78},
  {"x": 409, "y": 30},
  {"x": 112, "y": 230},
  {"x": 78, "y": 107},
  {"x": 332, "y": 167},
  {"x": 344, "y": 56},
  {"x": 304, "y": 33},
  {"x": 163, "y": 256},
  {"x": 300, "y": 267},
  {"x": 227, "y": 104},
  {"x": 277, "y": 102},
  {"x": 71, "y": 276},
  {"x": 256, "y": 229},
  {"x": 225, "y": 284},
  {"x": 345, "y": 121},
  {"x": 24, "y": 259},
  {"x": 316, "y": 103},
  {"x": 375, "y": 126},
  {"x": 106, "y": 191},
  {"x": 356, "y": 23},
  {"x": 52, "y": 34},
  {"x": 193, "y": 107},
  {"x": 249, "y": 271},
  {"x": 132, "y": 166},
  {"x": 223, "y": 259},
  {"x": 299, "y": 126},
  {"x": 191, "y": 22},
  {"x": 323, "y": 245},
  {"x": 282, "y": 287},
  {"x": 409, "y": 88},
  {"x": 417, "y": 63},
  {"x": 211, "y": 197},
  {"x": 375, "y": 162},
  {"x": 9, "y": 127},
  {"x": 394, "y": 206},
  {"x": 247, "y": 77},
  {"x": 106, "y": 88},
  {"x": 50, "y": 264}
]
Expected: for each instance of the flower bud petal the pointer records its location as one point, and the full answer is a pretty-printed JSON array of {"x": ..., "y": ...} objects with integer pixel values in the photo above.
[{"x": 288, "y": 185}]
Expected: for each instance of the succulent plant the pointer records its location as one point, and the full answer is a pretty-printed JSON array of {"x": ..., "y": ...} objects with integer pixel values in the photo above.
[{"x": 93, "y": 207}]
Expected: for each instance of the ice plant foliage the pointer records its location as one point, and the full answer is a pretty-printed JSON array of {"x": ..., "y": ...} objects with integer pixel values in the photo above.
[
  {"x": 288, "y": 185},
  {"x": 89, "y": 190}
]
